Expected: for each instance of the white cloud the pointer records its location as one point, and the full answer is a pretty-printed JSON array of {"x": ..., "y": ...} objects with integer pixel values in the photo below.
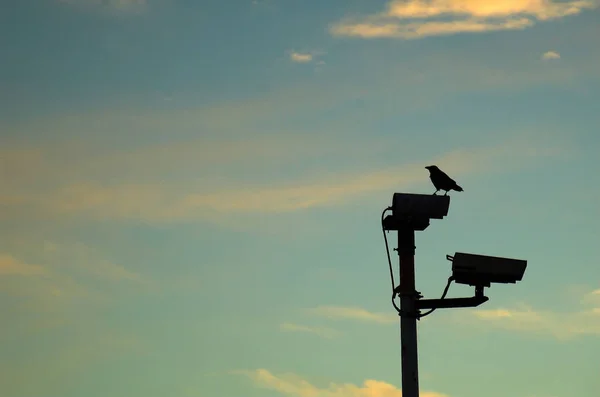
[
  {"x": 414, "y": 19},
  {"x": 323, "y": 332},
  {"x": 550, "y": 55},
  {"x": 295, "y": 386},
  {"x": 354, "y": 313}
]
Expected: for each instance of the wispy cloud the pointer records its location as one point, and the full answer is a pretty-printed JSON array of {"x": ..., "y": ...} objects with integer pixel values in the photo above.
[
  {"x": 121, "y": 6},
  {"x": 10, "y": 266},
  {"x": 415, "y": 19},
  {"x": 71, "y": 356},
  {"x": 592, "y": 298},
  {"x": 323, "y": 332},
  {"x": 550, "y": 55},
  {"x": 353, "y": 313},
  {"x": 49, "y": 295},
  {"x": 60, "y": 290},
  {"x": 561, "y": 325},
  {"x": 420, "y": 83},
  {"x": 65, "y": 277},
  {"x": 206, "y": 197},
  {"x": 82, "y": 258},
  {"x": 293, "y": 385}
]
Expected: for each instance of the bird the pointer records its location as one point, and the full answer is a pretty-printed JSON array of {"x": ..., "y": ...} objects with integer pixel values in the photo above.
[{"x": 441, "y": 181}]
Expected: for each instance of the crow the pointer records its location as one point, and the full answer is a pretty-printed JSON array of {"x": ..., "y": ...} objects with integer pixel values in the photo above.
[{"x": 441, "y": 181}]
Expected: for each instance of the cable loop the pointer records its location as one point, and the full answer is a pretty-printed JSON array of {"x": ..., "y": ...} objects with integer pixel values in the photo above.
[{"x": 394, "y": 293}]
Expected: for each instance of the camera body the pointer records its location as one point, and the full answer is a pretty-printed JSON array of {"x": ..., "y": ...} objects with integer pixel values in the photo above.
[
  {"x": 481, "y": 270},
  {"x": 422, "y": 206}
]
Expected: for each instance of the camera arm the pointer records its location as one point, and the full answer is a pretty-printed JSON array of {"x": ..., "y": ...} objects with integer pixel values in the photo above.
[{"x": 446, "y": 303}]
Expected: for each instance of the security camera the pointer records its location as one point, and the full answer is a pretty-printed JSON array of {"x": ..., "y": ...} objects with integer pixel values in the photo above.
[
  {"x": 481, "y": 270},
  {"x": 423, "y": 206}
]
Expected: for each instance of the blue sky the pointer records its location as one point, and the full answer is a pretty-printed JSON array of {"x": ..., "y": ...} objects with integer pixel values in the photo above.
[{"x": 191, "y": 191}]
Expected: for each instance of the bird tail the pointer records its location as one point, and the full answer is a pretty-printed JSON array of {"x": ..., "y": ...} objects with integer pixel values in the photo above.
[{"x": 458, "y": 188}]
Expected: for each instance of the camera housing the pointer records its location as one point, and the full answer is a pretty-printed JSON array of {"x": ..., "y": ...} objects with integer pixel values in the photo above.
[
  {"x": 481, "y": 270},
  {"x": 420, "y": 206}
]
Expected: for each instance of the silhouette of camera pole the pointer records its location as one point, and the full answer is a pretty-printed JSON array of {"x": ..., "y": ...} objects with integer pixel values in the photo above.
[{"x": 411, "y": 213}]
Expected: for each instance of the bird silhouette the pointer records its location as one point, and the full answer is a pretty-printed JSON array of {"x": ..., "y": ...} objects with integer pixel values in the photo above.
[{"x": 441, "y": 181}]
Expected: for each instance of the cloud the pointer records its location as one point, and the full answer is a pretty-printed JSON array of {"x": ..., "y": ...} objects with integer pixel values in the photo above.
[
  {"x": 560, "y": 325},
  {"x": 120, "y": 6},
  {"x": 389, "y": 91},
  {"x": 293, "y": 385},
  {"x": 306, "y": 57},
  {"x": 64, "y": 356},
  {"x": 73, "y": 276},
  {"x": 323, "y": 332},
  {"x": 550, "y": 55},
  {"x": 49, "y": 297},
  {"x": 9, "y": 266},
  {"x": 353, "y": 313},
  {"x": 414, "y": 19},
  {"x": 205, "y": 197},
  {"x": 79, "y": 257},
  {"x": 301, "y": 57},
  {"x": 68, "y": 309},
  {"x": 592, "y": 298}
]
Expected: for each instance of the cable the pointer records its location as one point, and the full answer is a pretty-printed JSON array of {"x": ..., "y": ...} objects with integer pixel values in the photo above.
[
  {"x": 387, "y": 251},
  {"x": 450, "y": 280}
]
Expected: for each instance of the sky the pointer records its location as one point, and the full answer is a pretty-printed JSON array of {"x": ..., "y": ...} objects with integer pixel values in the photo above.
[{"x": 191, "y": 192}]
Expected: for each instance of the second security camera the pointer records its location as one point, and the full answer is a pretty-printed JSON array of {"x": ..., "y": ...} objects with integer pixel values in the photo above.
[{"x": 481, "y": 270}]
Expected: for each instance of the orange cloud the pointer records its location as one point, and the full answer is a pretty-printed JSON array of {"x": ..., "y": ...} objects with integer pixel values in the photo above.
[
  {"x": 293, "y": 385},
  {"x": 301, "y": 57},
  {"x": 421, "y": 18},
  {"x": 158, "y": 201},
  {"x": 540, "y": 9},
  {"x": 9, "y": 266}
]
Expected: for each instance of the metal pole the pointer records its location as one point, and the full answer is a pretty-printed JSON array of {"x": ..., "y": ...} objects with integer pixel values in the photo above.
[{"x": 408, "y": 319}]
